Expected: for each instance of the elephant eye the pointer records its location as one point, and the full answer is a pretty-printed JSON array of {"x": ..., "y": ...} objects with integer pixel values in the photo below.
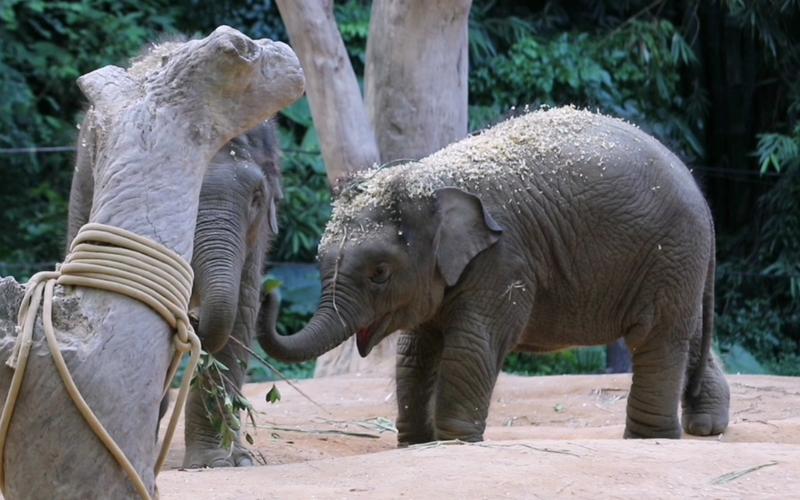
[
  {"x": 257, "y": 200},
  {"x": 381, "y": 273}
]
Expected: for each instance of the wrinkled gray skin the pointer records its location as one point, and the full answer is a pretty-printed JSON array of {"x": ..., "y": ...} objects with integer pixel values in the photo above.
[
  {"x": 577, "y": 239},
  {"x": 236, "y": 220}
]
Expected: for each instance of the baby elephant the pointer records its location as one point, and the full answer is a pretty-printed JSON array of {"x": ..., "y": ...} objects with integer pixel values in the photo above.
[
  {"x": 236, "y": 221},
  {"x": 554, "y": 229}
]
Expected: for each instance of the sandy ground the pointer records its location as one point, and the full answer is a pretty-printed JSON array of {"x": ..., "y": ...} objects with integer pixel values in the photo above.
[{"x": 546, "y": 437}]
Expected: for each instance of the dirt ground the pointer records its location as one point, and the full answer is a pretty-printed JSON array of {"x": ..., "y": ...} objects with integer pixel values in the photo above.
[{"x": 546, "y": 437}]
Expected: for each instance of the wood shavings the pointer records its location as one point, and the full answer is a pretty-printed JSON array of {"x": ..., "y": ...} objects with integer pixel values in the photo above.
[{"x": 522, "y": 146}]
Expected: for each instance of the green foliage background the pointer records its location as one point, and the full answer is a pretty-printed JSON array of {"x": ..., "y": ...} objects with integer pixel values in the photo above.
[
  {"x": 657, "y": 64},
  {"x": 45, "y": 46}
]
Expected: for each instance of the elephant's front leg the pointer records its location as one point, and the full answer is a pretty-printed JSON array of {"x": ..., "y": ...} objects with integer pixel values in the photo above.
[
  {"x": 204, "y": 447},
  {"x": 418, "y": 355},
  {"x": 467, "y": 375},
  {"x": 482, "y": 331}
]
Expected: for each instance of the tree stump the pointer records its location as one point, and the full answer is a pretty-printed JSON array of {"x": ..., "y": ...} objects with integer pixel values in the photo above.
[{"x": 158, "y": 124}]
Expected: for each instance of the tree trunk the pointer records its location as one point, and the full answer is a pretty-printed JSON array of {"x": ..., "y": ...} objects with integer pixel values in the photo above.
[
  {"x": 347, "y": 141},
  {"x": 731, "y": 67},
  {"x": 416, "y": 94},
  {"x": 160, "y": 125},
  {"x": 416, "y": 75}
]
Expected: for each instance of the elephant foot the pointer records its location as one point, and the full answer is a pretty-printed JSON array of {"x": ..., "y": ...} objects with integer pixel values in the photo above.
[
  {"x": 707, "y": 413},
  {"x": 472, "y": 438},
  {"x": 405, "y": 443},
  {"x": 652, "y": 434},
  {"x": 660, "y": 428},
  {"x": 704, "y": 424},
  {"x": 452, "y": 429},
  {"x": 407, "y": 438},
  {"x": 197, "y": 457}
]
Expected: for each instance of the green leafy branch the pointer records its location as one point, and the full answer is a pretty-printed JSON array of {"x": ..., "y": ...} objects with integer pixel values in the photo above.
[
  {"x": 223, "y": 402},
  {"x": 778, "y": 151}
]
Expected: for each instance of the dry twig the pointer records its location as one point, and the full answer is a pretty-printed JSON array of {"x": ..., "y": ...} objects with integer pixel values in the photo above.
[
  {"x": 733, "y": 476},
  {"x": 281, "y": 375},
  {"x": 436, "y": 444},
  {"x": 319, "y": 431}
]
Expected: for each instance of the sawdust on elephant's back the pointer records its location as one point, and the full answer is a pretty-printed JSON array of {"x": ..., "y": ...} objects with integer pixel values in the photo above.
[{"x": 522, "y": 145}]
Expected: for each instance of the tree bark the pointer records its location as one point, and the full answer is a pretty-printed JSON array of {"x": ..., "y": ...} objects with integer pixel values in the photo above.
[
  {"x": 347, "y": 140},
  {"x": 416, "y": 96},
  {"x": 156, "y": 133},
  {"x": 416, "y": 75}
]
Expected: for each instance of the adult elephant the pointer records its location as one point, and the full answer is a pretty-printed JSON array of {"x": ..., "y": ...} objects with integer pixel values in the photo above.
[
  {"x": 236, "y": 221},
  {"x": 553, "y": 229}
]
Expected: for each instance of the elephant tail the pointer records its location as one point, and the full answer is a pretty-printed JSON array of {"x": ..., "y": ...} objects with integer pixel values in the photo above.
[{"x": 708, "y": 319}]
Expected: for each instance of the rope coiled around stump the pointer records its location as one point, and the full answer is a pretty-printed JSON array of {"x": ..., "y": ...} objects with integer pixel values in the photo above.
[{"x": 112, "y": 259}]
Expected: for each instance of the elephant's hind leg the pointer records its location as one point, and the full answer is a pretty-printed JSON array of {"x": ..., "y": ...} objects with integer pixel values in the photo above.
[
  {"x": 418, "y": 355},
  {"x": 705, "y": 402},
  {"x": 706, "y": 397},
  {"x": 659, "y": 365}
]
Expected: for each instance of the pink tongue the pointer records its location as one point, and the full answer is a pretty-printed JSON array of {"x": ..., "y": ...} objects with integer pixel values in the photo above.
[{"x": 362, "y": 340}]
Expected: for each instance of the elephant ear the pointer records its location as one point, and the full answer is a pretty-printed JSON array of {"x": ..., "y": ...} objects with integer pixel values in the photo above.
[{"x": 464, "y": 229}]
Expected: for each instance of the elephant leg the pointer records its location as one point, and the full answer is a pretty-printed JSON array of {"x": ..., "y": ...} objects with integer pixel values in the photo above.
[
  {"x": 659, "y": 366},
  {"x": 418, "y": 355},
  {"x": 705, "y": 402},
  {"x": 203, "y": 442},
  {"x": 467, "y": 375}
]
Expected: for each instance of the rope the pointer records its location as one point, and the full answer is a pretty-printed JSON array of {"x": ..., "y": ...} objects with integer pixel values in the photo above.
[{"x": 115, "y": 260}]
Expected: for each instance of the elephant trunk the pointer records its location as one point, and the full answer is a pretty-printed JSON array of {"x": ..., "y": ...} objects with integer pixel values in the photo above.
[
  {"x": 218, "y": 273},
  {"x": 326, "y": 329},
  {"x": 217, "y": 317}
]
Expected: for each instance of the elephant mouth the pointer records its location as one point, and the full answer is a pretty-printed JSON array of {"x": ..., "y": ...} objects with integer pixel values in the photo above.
[{"x": 368, "y": 337}]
